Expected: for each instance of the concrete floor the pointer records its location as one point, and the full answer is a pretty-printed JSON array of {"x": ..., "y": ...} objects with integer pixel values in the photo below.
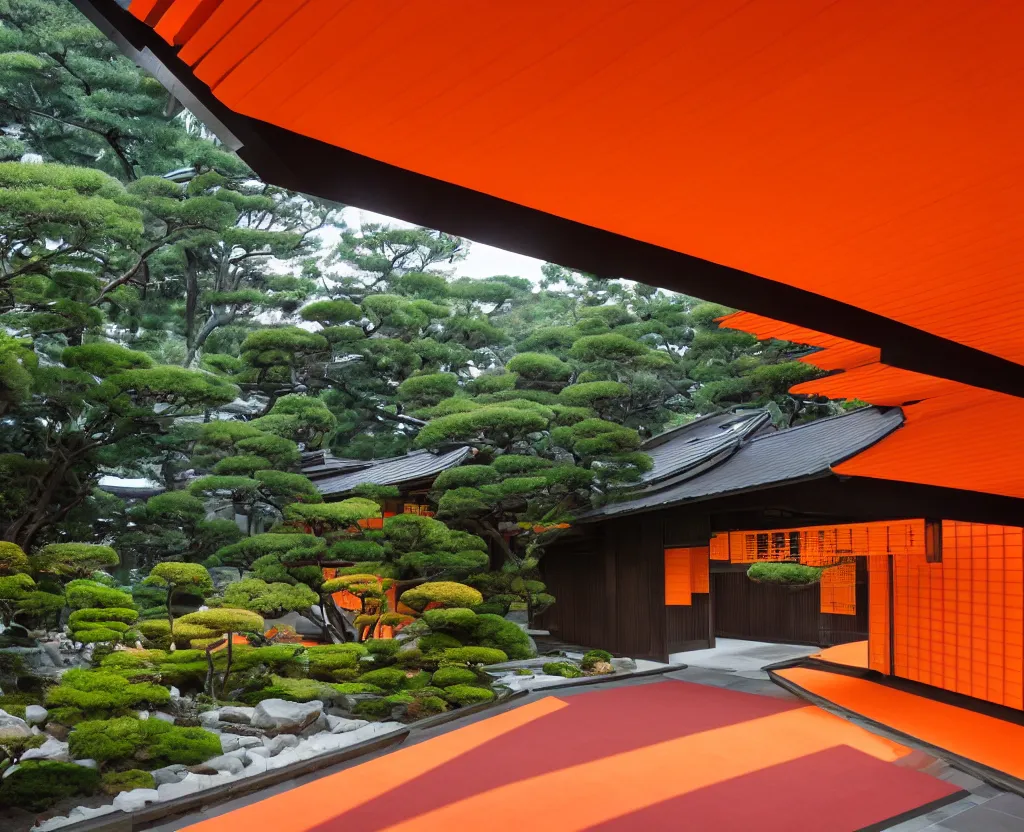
[{"x": 741, "y": 658}]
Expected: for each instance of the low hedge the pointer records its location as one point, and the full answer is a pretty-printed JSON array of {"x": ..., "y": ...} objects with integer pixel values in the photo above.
[
  {"x": 787, "y": 574},
  {"x": 37, "y": 784},
  {"x": 445, "y": 677},
  {"x": 115, "y": 782},
  {"x": 475, "y": 655},
  {"x": 467, "y": 694},
  {"x": 565, "y": 669},
  {"x": 151, "y": 742}
]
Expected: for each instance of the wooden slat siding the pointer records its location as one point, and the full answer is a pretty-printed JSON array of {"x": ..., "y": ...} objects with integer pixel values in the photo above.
[
  {"x": 688, "y": 628},
  {"x": 639, "y": 587},
  {"x": 765, "y": 612},
  {"x": 575, "y": 575}
]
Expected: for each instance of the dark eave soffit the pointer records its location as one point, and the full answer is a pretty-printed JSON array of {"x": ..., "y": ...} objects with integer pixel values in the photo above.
[{"x": 297, "y": 162}]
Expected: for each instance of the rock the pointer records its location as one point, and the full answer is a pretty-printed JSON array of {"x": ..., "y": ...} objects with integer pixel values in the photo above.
[
  {"x": 285, "y": 758},
  {"x": 50, "y": 750},
  {"x": 257, "y": 765},
  {"x": 36, "y": 714},
  {"x": 169, "y": 774},
  {"x": 375, "y": 729},
  {"x": 12, "y": 727},
  {"x": 347, "y": 702},
  {"x": 164, "y": 717},
  {"x": 142, "y": 714},
  {"x": 55, "y": 729},
  {"x": 10, "y": 771},
  {"x": 250, "y": 742},
  {"x": 321, "y": 724},
  {"x": 241, "y": 716},
  {"x": 79, "y": 813},
  {"x": 276, "y": 716},
  {"x": 278, "y": 744},
  {"x": 35, "y": 730},
  {"x": 239, "y": 754},
  {"x": 135, "y": 799},
  {"x": 174, "y": 693},
  {"x": 189, "y": 784},
  {"x": 86, "y": 763},
  {"x": 214, "y": 765},
  {"x": 259, "y": 751},
  {"x": 624, "y": 664},
  {"x": 222, "y": 576},
  {"x": 340, "y": 725},
  {"x": 602, "y": 668},
  {"x": 228, "y": 742},
  {"x": 240, "y": 730},
  {"x": 208, "y": 718}
]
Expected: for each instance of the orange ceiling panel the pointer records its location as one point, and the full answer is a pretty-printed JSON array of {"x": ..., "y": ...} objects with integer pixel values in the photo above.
[
  {"x": 969, "y": 442},
  {"x": 862, "y": 150}
]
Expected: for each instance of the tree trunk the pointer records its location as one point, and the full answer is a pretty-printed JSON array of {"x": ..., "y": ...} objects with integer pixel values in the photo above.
[
  {"x": 170, "y": 615},
  {"x": 227, "y": 669},
  {"x": 209, "y": 673}
]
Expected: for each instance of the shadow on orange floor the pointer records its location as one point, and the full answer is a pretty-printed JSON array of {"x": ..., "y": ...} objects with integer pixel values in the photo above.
[
  {"x": 632, "y": 755},
  {"x": 991, "y": 742},
  {"x": 854, "y": 654}
]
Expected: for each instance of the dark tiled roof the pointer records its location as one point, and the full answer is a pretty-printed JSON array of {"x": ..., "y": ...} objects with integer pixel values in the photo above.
[
  {"x": 797, "y": 453},
  {"x": 418, "y": 465},
  {"x": 690, "y": 447}
]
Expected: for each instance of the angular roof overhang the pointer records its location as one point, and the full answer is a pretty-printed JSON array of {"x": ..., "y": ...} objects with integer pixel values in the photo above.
[{"x": 846, "y": 165}]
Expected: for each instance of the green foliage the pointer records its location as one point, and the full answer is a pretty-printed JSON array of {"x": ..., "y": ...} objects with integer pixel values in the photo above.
[
  {"x": 507, "y": 636},
  {"x": 216, "y": 622},
  {"x": 292, "y": 546},
  {"x": 386, "y": 678},
  {"x": 82, "y": 593},
  {"x": 38, "y": 784},
  {"x": 124, "y": 616},
  {"x": 115, "y": 782},
  {"x": 445, "y": 677},
  {"x": 475, "y": 655},
  {"x": 448, "y": 619},
  {"x": 463, "y": 695},
  {"x": 12, "y": 559},
  {"x": 565, "y": 669},
  {"x": 190, "y": 577},
  {"x": 535, "y": 366},
  {"x": 592, "y": 657},
  {"x": 445, "y": 593},
  {"x": 74, "y": 560},
  {"x": 152, "y": 741},
  {"x": 270, "y": 600},
  {"x": 382, "y": 646},
  {"x": 99, "y": 692},
  {"x": 784, "y": 573},
  {"x": 610, "y": 347},
  {"x": 336, "y": 516},
  {"x": 437, "y": 642},
  {"x": 429, "y": 389},
  {"x": 467, "y": 476},
  {"x": 293, "y": 690}
]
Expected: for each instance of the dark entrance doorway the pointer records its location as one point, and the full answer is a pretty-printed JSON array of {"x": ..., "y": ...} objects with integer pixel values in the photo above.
[{"x": 744, "y": 609}]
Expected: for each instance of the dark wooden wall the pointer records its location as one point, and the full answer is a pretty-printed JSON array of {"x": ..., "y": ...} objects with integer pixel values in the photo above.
[
  {"x": 766, "y": 612},
  {"x": 689, "y": 628},
  {"x": 610, "y": 589}
]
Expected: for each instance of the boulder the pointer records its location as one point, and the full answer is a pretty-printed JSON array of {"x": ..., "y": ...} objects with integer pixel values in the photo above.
[
  {"x": 50, "y": 750},
  {"x": 36, "y": 714},
  {"x": 189, "y": 784},
  {"x": 228, "y": 742},
  {"x": 174, "y": 693},
  {"x": 277, "y": 716},
  {"x": 169, "y": 774},
  {"x": 319, "y": 725},
  {"x": 13, "y": 728},
  {"x": 86, "y": 763},
  {"x": 341, "y": 725},
  {"x": 214, "y": 765},
  {"x": 209, "y": 718},
  {"x": 142, "y": 714},
  {"x": 164, "y": 717},
  {"x": 249, "y": 742},
  {"x": 260, "y": 751},
  {"x": 55, "y": 729},
  {"x": 623, "y": 665},
  {"x": 275, "y": 745},
  {"x": 135, "y": 799},
  {"x": 10, "y": 771},
  {"x": 257, "y": 765},
  {"x": 239, "y": 715}
]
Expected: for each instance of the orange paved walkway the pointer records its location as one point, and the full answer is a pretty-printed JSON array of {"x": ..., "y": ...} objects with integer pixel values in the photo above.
[
  {"x": 623, "y": 758},
  {"x": 854, "y": 654},
  {"x": 992, "y": 742}
]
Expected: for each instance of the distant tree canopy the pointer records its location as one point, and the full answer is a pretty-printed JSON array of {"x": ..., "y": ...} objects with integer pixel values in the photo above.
[{"x": 166, "y": 315}]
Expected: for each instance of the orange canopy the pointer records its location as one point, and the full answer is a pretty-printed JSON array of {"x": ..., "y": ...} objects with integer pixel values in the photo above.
[
  {"x": 953, "y": 436},
  {"x": 862, "y": 152}
]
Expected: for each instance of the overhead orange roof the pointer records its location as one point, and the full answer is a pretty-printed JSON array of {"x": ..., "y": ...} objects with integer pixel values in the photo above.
[
  {"x": 953, "y": 435},
  {"x": 864, "y": 152}
]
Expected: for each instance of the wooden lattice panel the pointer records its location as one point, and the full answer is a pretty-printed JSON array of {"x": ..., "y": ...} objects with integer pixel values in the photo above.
[{"x": 839, "y": 589}]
